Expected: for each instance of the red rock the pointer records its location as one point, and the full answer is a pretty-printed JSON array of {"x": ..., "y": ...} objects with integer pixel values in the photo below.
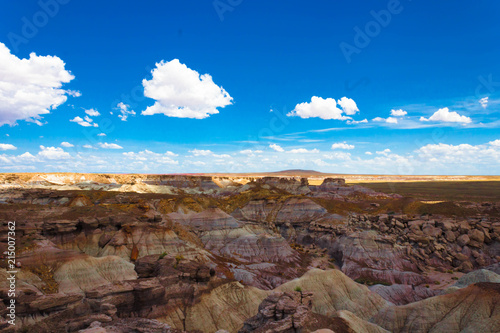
[
  {"x": 472, "y": 309},
  {"x": 287, "y": 312},
  {"x": 476, "y": 235},
  {"x": 52, "y": 302},
  {"x": 431, "y": 231},
  {"x": 400, "y": 294},
  {"x": 135, "y": 253},
  {"x": 463, "y": 240},
  {"x": 450, "y": 236}
]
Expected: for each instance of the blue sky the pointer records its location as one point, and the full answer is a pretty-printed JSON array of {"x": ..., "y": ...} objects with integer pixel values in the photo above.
[{"x": 388, "y": 87}]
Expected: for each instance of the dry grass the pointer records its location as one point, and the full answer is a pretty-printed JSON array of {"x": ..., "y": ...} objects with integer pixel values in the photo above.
[
  {"x": 46, "y": 274},
  {"x": 185, "y": 203},
  {"x": 442, "y": 190},
  {"x": 405, "y": 205},
  {"x": 341, "y": 207},
  {"x": 228, "y": 204}
]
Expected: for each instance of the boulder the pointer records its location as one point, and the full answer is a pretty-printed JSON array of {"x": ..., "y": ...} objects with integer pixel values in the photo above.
[
  {"x": 450, "y": 236},
  {"x": 463, "y": 240},
  {"x": 286, "y": 312},
  {"x": 476, "y": 235}
]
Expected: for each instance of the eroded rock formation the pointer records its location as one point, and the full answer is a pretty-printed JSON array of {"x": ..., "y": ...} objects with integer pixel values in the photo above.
[{"x": 124, "y": 253}]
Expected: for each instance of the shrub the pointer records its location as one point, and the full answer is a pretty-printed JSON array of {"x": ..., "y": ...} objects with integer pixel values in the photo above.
[
  {"x": 46, "y": 274},
  {"x": 178, "y": 258},
  {"x": 299, "y": 289},
  {"x": 163, "y": 255}
]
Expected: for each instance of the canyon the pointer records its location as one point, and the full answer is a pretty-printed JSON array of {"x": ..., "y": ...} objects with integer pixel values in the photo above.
[{"x": 245, "y": 253}]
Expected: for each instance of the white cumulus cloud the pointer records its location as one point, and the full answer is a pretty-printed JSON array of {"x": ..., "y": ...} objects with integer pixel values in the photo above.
[
  {"x": 195, "y": 163},
  {"x": 53, "y": 153},
  {"x": 202, "y": 152},
  {"x": 342, "y": 145},
  {"x": 7, "y": 146},
  {"x": 82, "y": 122},
  {"x": 324, "y": 109},
  {"x": 461, "y": 155},
  {"x": 303, "y": 151},
  {"x": 276, "y": 147},
  {"x": 73, "y": 93},
  {"x": 348, "y": 105},
  {"x": 338, "y": 155},
  {"x": 495, "y": 143},
  {"x": 181, "y": 92},
  {"x": 27, "y": 157},
  {"x": 150, "y": 156},
  {"x": 66, "y": 144},
  {"x": 398, "y": 113},
  {"x": 30, "y": 88},
  {"x": 319, "y": 162},
  {"x": 447, "y": 116},
  {"x": 92, "y": 112},
  {"x": 169, "y": 153},
  {"x": 106, "y": 145},
  {"x": 125, "y": 111},
  {"x": 384, "y": 152},
  {"x": 389, "y": 120},
  {"x": 250, "y": 152}
]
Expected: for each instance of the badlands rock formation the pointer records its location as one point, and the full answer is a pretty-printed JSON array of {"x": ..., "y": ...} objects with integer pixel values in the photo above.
[
  {"x": 472, "y": 309},
  {"x": 172, "y": 253},
  {"x": 288, "y": 312}
]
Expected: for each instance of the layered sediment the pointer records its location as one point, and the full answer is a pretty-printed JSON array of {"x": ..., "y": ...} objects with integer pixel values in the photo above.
[{"x": 118, "y": 253}]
